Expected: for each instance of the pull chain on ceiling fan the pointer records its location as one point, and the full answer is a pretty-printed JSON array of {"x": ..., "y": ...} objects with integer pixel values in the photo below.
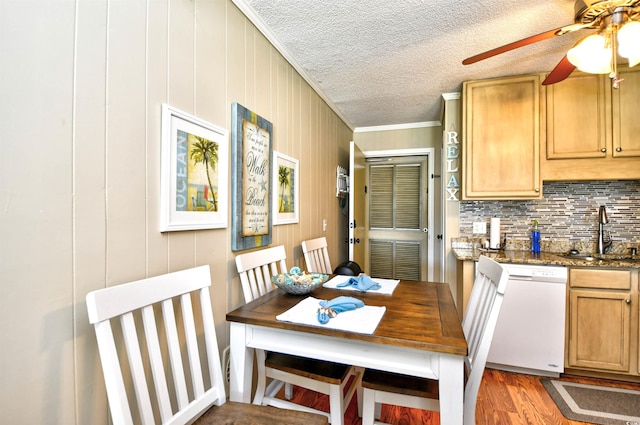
[{"x": 618, "y": 34}]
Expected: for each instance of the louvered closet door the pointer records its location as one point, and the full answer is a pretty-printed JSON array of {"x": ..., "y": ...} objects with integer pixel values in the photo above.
[{"x": 397, "y": 219}]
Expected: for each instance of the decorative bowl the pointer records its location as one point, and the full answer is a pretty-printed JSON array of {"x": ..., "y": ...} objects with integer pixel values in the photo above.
[{"x": 299, "y": 283}]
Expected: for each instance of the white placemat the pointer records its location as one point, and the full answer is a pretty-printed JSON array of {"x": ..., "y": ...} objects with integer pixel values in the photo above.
[
  {"x": 362, "y": 320},
  {"x": 387, "y": 286}
]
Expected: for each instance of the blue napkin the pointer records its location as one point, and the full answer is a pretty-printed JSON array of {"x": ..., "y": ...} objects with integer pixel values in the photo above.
[
  {"x": 361, "y": 283},
  {"x": 329, "y": 309}
]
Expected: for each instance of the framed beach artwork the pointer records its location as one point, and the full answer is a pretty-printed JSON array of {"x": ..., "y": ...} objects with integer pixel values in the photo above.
[
  {"x": 251, "y": 151},
  {"x": 286, "y": 202},
  {"x": 194, "y": 173}
]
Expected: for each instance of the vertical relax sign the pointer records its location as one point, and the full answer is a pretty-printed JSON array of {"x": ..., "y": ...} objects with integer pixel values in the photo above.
[{"x": 453, "y": 165}]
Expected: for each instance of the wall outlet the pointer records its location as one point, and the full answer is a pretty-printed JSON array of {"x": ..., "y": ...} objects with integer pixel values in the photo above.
[
  {"x": 324, "y": 224},
  {"x": 479, "y": 227}
]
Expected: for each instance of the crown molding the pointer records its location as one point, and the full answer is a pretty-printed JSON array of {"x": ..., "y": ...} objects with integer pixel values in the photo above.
[
  {"x": 451, "y": 96},
  {"x": 406, "y": 126}
]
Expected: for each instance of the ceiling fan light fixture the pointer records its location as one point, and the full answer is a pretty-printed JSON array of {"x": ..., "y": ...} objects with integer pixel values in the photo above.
[
  {"x": 592, "y": 55},
  {"x": 629, "y": 42}
]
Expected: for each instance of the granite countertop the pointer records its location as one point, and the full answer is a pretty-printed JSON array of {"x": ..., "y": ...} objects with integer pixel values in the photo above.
[{"x": 544, "y": 258}]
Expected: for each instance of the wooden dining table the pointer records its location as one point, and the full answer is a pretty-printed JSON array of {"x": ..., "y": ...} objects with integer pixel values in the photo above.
[{"x": 419, "y": 334}]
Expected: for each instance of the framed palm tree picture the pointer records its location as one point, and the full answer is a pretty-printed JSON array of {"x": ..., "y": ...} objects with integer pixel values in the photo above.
[
  {"x": 194, "y": 173},
  {"x": 286, "y": 204}
]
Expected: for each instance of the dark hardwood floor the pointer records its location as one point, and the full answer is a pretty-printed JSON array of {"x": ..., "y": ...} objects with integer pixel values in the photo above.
[{"x": 504, "y": 399}]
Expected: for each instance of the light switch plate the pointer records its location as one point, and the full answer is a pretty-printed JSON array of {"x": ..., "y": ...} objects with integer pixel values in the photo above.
[{"x": 479, "y": 227}]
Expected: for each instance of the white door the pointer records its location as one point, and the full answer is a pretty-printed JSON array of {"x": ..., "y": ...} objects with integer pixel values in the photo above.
[
  {"x": 357, "y": 188},
  {"x": 392, "y": 239}
]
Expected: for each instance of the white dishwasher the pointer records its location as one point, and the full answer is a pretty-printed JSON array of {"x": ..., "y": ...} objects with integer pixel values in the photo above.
[{"x": 529, "y": 337}]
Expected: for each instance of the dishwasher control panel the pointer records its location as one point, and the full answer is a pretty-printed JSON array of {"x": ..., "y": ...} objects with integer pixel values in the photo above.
[{"x": 535, "y": 272}]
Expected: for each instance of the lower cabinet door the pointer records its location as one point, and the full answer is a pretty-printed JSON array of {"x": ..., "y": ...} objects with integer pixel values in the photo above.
[{"x": 599, "y": 330}]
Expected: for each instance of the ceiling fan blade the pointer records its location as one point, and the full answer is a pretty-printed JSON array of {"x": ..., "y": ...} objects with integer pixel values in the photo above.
[
  {"x": 525, "y": 41},
  {"x": 512, "y": 46},
  {"x": 562, "y": 70}
]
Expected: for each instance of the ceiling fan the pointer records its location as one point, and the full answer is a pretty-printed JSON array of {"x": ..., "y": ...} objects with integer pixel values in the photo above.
[{"x": 617, "y": 25}]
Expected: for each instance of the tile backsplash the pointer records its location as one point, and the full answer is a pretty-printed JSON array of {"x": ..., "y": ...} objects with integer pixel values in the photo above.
[{"x": 568, "y": 211}]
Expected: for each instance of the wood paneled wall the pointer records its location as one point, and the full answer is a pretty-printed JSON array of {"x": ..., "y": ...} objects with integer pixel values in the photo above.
[{"x": 82, "y": 83}]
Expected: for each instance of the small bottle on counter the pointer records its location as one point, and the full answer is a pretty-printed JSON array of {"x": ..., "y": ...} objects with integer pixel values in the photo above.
[{"x": 535, "y": 237}]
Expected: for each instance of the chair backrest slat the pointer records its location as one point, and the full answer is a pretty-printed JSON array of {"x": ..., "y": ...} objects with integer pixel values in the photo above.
[
  {"x": 480, "y": 321},
  {"x": 251, "y": 280},
  {"x": 137, "y": 368},
  {"x": 192, "y": 345},
  {"x": 114, "y": 382},
  {"x": 157, "y": 370},
  {"x": 175, "y": 354},
  {"x": 211, "y": 344},
  {"x": 123, "y": 301},
  {"x": 316, "y": 255},
  {"x": 256, "y": 269}
]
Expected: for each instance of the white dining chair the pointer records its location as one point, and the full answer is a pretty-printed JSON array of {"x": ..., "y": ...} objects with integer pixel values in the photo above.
[
  {"x": 478, "y": 325},
  {"x": 146, "y": 321},
  {"x": 256, "y": 269},
  {"x": 316, "y": 255}
]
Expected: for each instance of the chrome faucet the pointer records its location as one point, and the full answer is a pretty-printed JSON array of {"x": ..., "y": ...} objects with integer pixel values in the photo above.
[{"x": 603, "y": 244}]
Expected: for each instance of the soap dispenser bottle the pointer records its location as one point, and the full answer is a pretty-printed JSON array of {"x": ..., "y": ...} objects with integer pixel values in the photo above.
[{"x": 535, "y": 237}]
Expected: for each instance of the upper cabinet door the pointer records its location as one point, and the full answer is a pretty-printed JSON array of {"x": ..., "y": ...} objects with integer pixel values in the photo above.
[
  {"x": 503, "y": 122},
  {"x": 593, "y": 129},
  {"x": 625, "y": 107},
  {"x": 578, "y": 117}
]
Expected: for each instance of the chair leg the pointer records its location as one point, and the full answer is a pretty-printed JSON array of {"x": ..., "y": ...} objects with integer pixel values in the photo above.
[
  {"x": 359, "y": 373},
  {"x": 288, "y": 390},
  {"x": 368, "y": 407},
  {"x": 336, "y": 405},
  {"x": 262, "y": 377}
]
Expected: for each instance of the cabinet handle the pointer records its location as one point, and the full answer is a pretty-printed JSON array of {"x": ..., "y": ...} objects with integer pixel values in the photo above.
[
  {"x": 618, "y": 149},
  {"x": 628, "y": 301},
  {"x": 603, "y": 150}
]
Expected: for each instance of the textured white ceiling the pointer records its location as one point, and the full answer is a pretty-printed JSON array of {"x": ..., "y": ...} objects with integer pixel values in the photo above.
[{"x": 388, "y": 62}]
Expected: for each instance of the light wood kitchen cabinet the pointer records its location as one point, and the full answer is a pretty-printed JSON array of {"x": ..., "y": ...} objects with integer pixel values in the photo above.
[
  {"x": 579, "y": 117},
  {"x": 465, "y": 274},
  {"x": 592, "y": 129},
  {"x": 503, "y": 123},
  {"x": 602, "y": 330},
  {"x": 625, "y": 110}
]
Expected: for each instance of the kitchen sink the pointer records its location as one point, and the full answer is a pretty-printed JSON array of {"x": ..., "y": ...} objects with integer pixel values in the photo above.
[
  {"x": 587, "y": 257},
  {"x": 631, "y": 259},
  {"x": 581, "y": 257}
]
